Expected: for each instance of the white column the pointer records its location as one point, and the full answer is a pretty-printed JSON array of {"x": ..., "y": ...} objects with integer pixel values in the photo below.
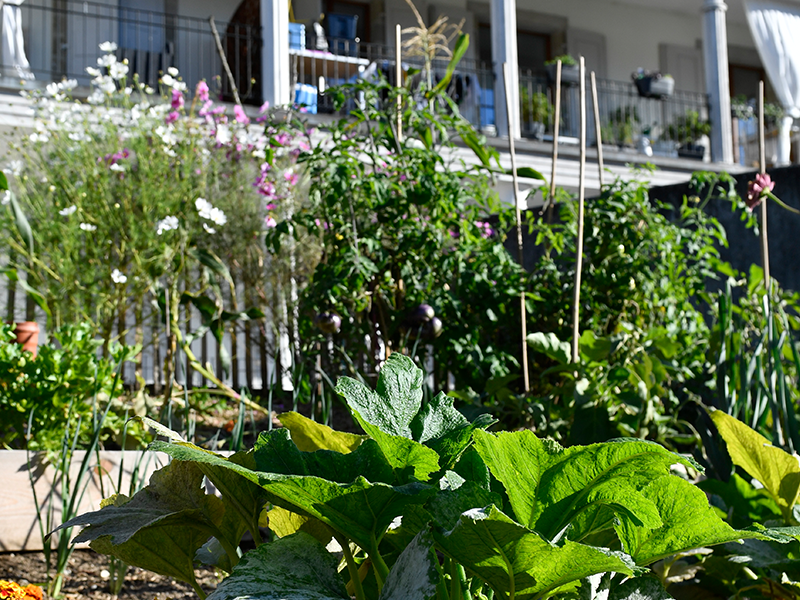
[
  {"x": 275, "y": 51},
  {"x": 504, "y": 50},
  {"x": 715, "y": 55}
]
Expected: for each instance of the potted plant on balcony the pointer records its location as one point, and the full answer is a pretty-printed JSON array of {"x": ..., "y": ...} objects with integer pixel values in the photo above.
[
  {"x": 686, "y": 132},
  {"x": 652, "y": 84},
  {"x": 570, "y": 73},
  {"x": 536, "y": 112}
]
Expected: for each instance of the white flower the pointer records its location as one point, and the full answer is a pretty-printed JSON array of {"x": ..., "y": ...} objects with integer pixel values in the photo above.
[
  {"x": 93, "y": 72},
  {"x": 107, "y": 60},
  {"x": 224, "y": 135},
  {"x": 65, "y": 212},
  {"x": 68, "y": 84},
  {"x": 217, "y": 217},
  {"x": 118, "y": 71},
  {"x": 96, "y": 97},
  {"x": 108, "y": 47},
  {"x": 39, "y": 137},
  {"x": 173, "y": 71},
  {"x": 203, "y": 207},
  {"x": 149, "y": 90},
  {"x": 15, "y": 167},
  {"x": 167, "y": 80},
  {"x": 179, "y": 85},
  {"x": 167, "y": 135},
  {"x": 166, "y": 224},
  {"x": 209, "y": 229},
  {"x": 128, "y": 91},
  {"x": 118, "y": 277},
  {"x": 105, "y": 84},
  {"x": 6, "y": 198},
  {"x": 88, "y": 227},
  {"x": 52, "y": 90},
  {"x": 117, "y": 167},
  {"x": 79, "y": 136}
]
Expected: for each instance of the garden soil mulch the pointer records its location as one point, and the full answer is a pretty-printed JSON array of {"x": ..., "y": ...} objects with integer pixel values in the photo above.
[{"x": 88, "y": 578}]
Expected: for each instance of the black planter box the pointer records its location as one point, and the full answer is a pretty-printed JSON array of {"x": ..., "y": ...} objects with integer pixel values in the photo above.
[
  {"x": 570, "y": 74},
  {"x": 693, "y": 151},
  {"x": 650, "y": 87}
]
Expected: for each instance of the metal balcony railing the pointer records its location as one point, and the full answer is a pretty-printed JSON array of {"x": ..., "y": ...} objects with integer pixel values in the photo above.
[{"x": 62, "y": 39}]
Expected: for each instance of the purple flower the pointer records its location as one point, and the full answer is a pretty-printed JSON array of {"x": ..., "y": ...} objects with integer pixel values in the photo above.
[
  {"x": 756, "y": 190},
  {"x": 171, "y": 117},
  {"x": 238, "y": 113},
  {"x": 206, "y": 108},
  {"x": 177, "y": 99},
  {"x": 201, "y": 91},
  {"x": 264, "y": 108}
]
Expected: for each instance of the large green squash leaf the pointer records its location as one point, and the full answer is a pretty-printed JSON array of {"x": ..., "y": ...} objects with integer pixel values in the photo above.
[
  {"x": 309, "y": 435},
  {"x": 640, "y": 588},
  {"x": 777, "y": 470},
  {"x": 161, "y": 528},
  {"x": 414, "y": 575},
  {"x": 550, "y": 487},
  {"x": 688, "y": 522},
  {"x": 514, "y": 560},
  {"x": 360, "y": 510},
  {"x": 296, "y": 567}
]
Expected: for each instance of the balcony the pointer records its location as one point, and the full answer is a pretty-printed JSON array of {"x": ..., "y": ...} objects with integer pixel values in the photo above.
[{"x": 62, "y": 38}]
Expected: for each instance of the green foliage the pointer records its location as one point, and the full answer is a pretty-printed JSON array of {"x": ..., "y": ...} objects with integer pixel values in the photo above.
[
  {"x": 517, "y": 516},
  {"x": 60, "y": 387},
  {"x": 404, "y": 223},
  {"x": 688, "y": 128}
]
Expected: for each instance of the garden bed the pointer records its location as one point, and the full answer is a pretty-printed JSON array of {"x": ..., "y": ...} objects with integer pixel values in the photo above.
[{"x": 87, "y": 579}]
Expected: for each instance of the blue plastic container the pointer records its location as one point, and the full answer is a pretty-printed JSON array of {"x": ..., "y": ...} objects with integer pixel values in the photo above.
[{"x": 297, "y": 36}]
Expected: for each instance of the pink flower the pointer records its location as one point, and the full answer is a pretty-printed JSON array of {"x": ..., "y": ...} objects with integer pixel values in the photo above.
[
  {"x": 177, "y": 99},
  {"x": 269, "y": 222},
  {"x": 171, "y": 117},
  {"x": 206, "y": 108},
  {"x": 323, "y": 224},
  {"x": 264, "y": 108},
  {"x": 238, "y": 113},
  {"x": 485, "y": 229},
  {"x": 270, "y": 206},
  {"x": 291, "y": 177},
  {"x": 756, "y": 190},
  {"x": 201, "y": 91}
]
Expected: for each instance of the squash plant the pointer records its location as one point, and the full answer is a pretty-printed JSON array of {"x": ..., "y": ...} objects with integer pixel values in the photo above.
[{"x": 426, "y": 504}]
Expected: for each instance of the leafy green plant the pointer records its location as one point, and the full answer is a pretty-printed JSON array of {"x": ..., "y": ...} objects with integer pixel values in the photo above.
[
  {"x": 566, "y": 59},
  {"x": 58, "y": 387},
  {"x": 687, "y": 129},
  {"x": 535, "y": 106},
  {"x": 425, "y": 504}
]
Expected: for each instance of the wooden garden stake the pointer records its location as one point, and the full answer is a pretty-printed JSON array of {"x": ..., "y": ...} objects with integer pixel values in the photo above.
[
  {"x": 523, "y": 311},
  {"x": 398, "y": 78},
  {"x": 762, "y": 167},
  {"x": 556, "y": 123},
  {"x": 598, "y": 134},
  {"x": 579, "y": 258},
  {"x": 225, "y": 64}
]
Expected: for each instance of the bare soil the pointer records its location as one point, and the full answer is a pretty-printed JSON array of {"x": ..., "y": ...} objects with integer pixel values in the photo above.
[{"x": 88, "y": 578}]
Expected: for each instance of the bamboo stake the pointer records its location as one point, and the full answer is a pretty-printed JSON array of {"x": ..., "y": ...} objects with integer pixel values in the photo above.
[
  {"x": 579, "y": 258},
  {"x": 523, "y": 311},
  {"x": 762, "y": 167},
  {"x": 398, "y": 78},
  {"x": 556, "y": 125},
  {"x": 597, "y": 133},
  {"x": 225, "y": 64}
]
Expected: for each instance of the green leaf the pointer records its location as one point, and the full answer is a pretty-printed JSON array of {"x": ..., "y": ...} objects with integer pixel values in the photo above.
[
  {"x": 360, "y": 510},
  {"x": 528, "y": 172},
  {"x": 296, "y": 567},
  {"x": 161, "y": 528},
  {"x": 386, "y": 415},
  {"x": 777, "y": 470},
  {"x": 285, "y": 522},
  {"x": 35, "y": 295},
  {"x": 309, "y": 435},
  {"x": 517, "y": 562},
  {"x": 550, "y": 487},
  {"x": 212, "y": 262},
  {"x": 23, "y": 227},
  {"x": 593, "y": 347},
  {"x": 458, "y": 53},
  {"x": 3, "y": 181},
  {"x": 414, "y": 575},
  {"x": 688, "y": 522},
  {"x": 549, "y": 344}
]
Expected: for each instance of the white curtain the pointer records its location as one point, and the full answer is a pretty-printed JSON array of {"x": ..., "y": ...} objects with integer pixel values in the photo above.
[
  {"x": 15, "y": 63},
  {"x": 776, "y": 31}
]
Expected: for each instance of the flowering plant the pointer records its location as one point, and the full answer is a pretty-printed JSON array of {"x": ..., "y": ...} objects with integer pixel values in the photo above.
[
  {"x": 10, "y": 590},
  {"x": 141, "y": 194},
  {"x": 762, "y": 188}
]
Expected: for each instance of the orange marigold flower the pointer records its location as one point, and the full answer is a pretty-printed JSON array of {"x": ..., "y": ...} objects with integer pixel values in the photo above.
[
  {"x": 33, "y": 592},
  {"x": 10, "y": 590}
]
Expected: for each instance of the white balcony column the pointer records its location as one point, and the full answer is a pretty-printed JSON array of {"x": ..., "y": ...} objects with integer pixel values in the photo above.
[
  {"x": 504, "y": 50},
  {"x": 275, "y": 51},
  {"x": 715, "y": 55}
]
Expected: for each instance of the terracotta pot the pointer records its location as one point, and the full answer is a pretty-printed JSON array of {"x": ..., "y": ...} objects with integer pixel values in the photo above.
[{"x": 27, "y": 333}]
